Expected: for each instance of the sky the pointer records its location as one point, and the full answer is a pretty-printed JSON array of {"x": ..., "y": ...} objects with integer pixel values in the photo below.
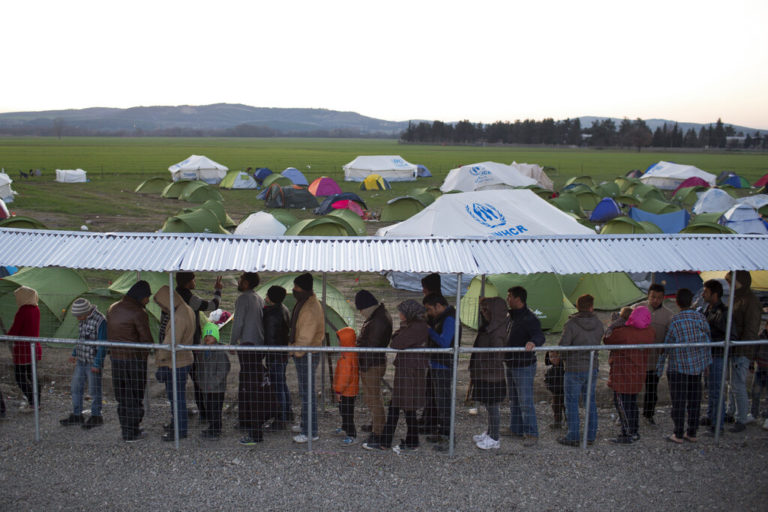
[{"x": 486, "y": 61}]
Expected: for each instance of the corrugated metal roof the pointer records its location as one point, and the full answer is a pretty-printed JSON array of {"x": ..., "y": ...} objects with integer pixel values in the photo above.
[{"x": 168, "y": 252}]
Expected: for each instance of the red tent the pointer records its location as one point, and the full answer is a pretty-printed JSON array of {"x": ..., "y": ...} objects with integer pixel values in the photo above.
[
  {"x": 324, "y": 186},
  {"x": 4, "y": 213},
  {"x": 691, "y": 182},
  {"x": 349, "y": 205},
  {"x": 762, "y": 181}
]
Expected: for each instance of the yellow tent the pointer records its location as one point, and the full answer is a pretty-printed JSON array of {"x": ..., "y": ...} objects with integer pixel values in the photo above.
[{"x": 759, "y": 278}]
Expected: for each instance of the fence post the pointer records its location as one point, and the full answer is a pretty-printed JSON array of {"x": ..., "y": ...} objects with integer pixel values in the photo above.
[
  {"x": 721, "y": 398},
  {"x": 35, "y": 392},
  {"x": 588, "y": 400},
  {"x": 457, "y": 342},
  {"x": 309, "y": 400},
  {"x": 174, "y": 380}
]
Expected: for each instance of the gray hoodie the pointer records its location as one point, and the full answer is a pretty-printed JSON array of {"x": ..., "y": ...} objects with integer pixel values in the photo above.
[{"x": 581, "y": 329}]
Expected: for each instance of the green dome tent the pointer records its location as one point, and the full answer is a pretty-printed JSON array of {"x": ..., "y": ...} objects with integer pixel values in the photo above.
[
  {"x": 323, "y": 226},
  {"x": 22, "y": 222},
  {"x": 238, "y": 180},
  {"x": 625, "y": 183},
  {"x": 401, "y": 208},
  {"x": 154, "y": 185},
  {"x": 102, "y": 298},
  {"x": 608, "y": 189},
  {"x": 276, "y": 178},
  {"x": 218, "y": 209},
  {"x": 611, "y": 290},
  {"x": 200, "y": 192},
  {"x": 586, "y": 180},
  {"x": 704, "y": 228},
  {"x": 201, "y": 220},
  {"x": 687, "y": 196},
  {"x": 285, "y": 217},
  {"x": 568, "y": 203},
  {"x": 356, "y": 226},
  {"x": 623, "y": 226},
  {"x": 173, "y": 190},
  {"x": 156, "y": 280},
  {"x": 56, "y": 288},
  {"x": 545, "y": 298},
  {"x": 657, "y": 207}
]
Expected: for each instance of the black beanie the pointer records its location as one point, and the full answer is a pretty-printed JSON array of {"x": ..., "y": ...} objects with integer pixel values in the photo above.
[
  {"x": 182, "y": 278},
  {"x": 304, "y": 281},
  {"x": 364, "y": 299},
  {"x": 432, "y": 283},
  {"x": 276, "y": 294},
  {"x": 139, "y": 291}
]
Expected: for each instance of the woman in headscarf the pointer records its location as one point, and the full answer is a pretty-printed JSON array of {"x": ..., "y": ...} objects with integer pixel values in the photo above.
[
  {"x": 486, "y": 369},
  {"x": 26, "y": 323}
]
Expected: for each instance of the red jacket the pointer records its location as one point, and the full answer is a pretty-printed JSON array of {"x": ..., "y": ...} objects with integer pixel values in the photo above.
[
  {"x": 26, "y": 323},
  {"x": 627, "y": 375},
  {"x": 347, "y": 376}
]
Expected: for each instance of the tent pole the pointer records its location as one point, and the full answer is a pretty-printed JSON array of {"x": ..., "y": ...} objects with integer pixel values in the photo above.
[
  {"x": 721, "y": 400},
  {"x": 174, "y": 380},
  {"x": 324, "y": 356}
]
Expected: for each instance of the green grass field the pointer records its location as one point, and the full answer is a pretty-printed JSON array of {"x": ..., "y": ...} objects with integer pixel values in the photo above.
[{"x": 116, "y": 166}]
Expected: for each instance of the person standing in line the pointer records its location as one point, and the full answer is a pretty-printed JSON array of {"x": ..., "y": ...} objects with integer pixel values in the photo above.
[
  {"x": 213, "y": 370},
  {"x": 408, "y": 393},
  {"x": 184, "y": 322},
  {"x": 375, "y": 332},
  {"x": 628, "y": 367},
  {"x": 486, "y": 369},
  {"x": 660, "y": 319},
  {"x": 582, "y": 329},
  {"x": 346, "y": 384},
  {"x": 185, "y": 283},
  {"x": 307, "y": 330},
  {"x": 716, "y": 314},
  {"x": 686, "y": 364},
  {"x": 523, "y": 330},
  {"x": 88, "y": 361},
  {"x": 746, "y": 326},
  {"x": 26, "y": 323},
  {"x": 247, "y": 331},
  {"x": 128, "y": 322},
  {"x": 277, "y": 325}
]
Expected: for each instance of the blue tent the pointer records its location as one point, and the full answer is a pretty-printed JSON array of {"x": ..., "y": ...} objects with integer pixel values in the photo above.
[
  {"x": 672, "y": 281},
  {"x": 295, "y": 176},
  {"x": 7, "y": 271},
  {"x": 668, "y": 222},
  {"x": 422, "y": 172},
  {"x": 605, "y": 210},
  {"x": 261, "y": 173},
  {"x": 325, "y": 206}
]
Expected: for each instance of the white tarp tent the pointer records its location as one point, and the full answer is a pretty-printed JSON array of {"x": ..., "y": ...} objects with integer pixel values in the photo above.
[
  {"x": 536, "y": 172},
  {"x": 70, "y": 176},
  {"x": 260, "y": 224},
  {"x": 713, "y": 200},
  {"x": 484, "y": 176},
  {"x": 744, "y": 219},
  {"x": 668, "y": 175},
  {"x": 6, "y": 193},
  {"x": 389, "y": 167},
  {"x": 198, "y": 167}
]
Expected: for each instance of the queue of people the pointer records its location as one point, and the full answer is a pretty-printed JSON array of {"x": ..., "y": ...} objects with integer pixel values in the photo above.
[{"x": 422, "y": 381}]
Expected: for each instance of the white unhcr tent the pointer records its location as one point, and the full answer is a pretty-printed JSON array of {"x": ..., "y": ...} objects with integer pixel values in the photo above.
[
  {"x": 668, "y": 175},
  {"x": 6, "y": 193},
  {"x": 389, "y": 167},
  {"x": 70, "y": 176},
  {"x": 484, "y": 176},
  {"x": 198, "y": 167},
  {"x": 536, "y": 172}
]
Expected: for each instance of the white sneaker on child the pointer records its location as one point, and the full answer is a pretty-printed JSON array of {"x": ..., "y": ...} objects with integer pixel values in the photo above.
[
  {"x": 479, "y": 437},
  {"x": 488, "y": 444}
]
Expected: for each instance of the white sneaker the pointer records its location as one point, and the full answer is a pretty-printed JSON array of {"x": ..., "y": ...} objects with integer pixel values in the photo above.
[
  {"x": 488, "y": 444},
  {"x": 750, "y": 419},
  {"x": 301, "y": 438},
  {"x": 479, "y": 437},
  {"x": 765, "y": 425},
  {"x": 296, "y": 429}
]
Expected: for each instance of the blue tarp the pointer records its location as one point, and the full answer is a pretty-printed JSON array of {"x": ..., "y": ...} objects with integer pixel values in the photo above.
[
  {"x": 605, "y": 210},
  {"x": 668, "y": 222},
  {"x": 423, "y": 172},
  {"x": 261, "y": 173},
  {"x": 295, "y": 176}
]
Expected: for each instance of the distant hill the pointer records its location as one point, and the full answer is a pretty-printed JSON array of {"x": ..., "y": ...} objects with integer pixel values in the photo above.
[{"x": 586, "y": 122}]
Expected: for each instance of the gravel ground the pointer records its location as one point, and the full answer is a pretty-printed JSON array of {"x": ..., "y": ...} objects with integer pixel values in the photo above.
[{"x": 73, "y": 469}]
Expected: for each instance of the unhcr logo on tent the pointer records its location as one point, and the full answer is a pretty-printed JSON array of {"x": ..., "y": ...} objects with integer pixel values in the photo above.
[
  {"x": 486, "y": 214},
  {"x": 479, "y": 171}
]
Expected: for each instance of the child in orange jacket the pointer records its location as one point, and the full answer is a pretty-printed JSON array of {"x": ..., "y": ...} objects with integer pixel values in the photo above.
[{"x": 345, "y": 384}]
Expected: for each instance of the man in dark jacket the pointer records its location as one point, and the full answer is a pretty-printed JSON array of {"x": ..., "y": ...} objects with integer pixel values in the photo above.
[
  {"x": 277, "y": 323},
  {"x": 185, "y": 283},
  {"x": 442, "y": 320},
  {"x": 524, "y": 330},
  {"x": 745, "y": 327},
  {"x": 127, "y": 321},
  {"x": 376, "y": 332},
  {"x": 717, "y": 317}
]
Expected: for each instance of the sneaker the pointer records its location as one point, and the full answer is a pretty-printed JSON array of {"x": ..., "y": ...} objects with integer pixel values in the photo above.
[
  {"x": 296, "y": 429},
  {"x": 249, "y": 441},
  {"x": 348, "y": 441},
  {"x": 622, "y": 440},
  {"x": 567, "y": 442},
  {"x": 529, "y": 440},
  {"x": 750, "y": 419},
  {"x": 26, "y": 407},
  {"x": 738, "y": 427},
  {"x": 301, "y": 438},
  {"x": 93, "y": 421},
  {"x": 479, "y": 437},
  {"x": 373, "y": 446},
  {"x": 635, "y": 437},
  {"x": 487, "y": 443},
  {"x": 72, "y": 419},
  {"x": 404, "y": 448}
]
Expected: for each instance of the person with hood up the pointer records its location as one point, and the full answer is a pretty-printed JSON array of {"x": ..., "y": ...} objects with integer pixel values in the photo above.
[
  {"x": 213, "y": 368},
  {"x": 346, "y": 380},
  {"x": 26, "y": 323},
  {"x": 486, "y": 369},
  {"x": 628, "y": 369},
  {"x": 408, "y": 393},
  {"x": 128, "y": 322},
  {"x": 184, "y": 322},
  {"x": 581, "y": 329}
]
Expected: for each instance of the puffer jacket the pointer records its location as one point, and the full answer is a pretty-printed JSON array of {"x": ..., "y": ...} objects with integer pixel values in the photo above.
[
  {"x": 346, "y": 379},
  {"x": 184, "y": 320},
  {"x": 127, "y": 321}
]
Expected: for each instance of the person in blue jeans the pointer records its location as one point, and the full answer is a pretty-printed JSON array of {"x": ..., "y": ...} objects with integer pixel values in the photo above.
[
  {"x": 441, "y": 335},
  {"x": 523, "y": 330},
  {"x": 89, "y": 361},
  {"x": 581, "y": 329},
  {"x": 717, "y": 316}
]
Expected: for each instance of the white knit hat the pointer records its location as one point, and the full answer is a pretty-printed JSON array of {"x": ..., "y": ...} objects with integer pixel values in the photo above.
[{"x": 81, "y": 307}]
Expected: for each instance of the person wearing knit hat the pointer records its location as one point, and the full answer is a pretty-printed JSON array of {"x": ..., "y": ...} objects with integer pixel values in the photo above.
[
  {"x": 376, "y": 332},
  {"x": 431, "y": 284},
  {"x": 277, "y": 324},
  {"x": 213, "y": 368},
  {"x": 128, "y": 322},
  {"x": 88, "y": 361},
  {"x": 304, "y": 281},
  {"x": 26, "y": 323}
]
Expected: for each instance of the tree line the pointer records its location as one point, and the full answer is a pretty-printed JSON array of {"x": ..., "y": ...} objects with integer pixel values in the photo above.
[{"x": 569, "y": 132}]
